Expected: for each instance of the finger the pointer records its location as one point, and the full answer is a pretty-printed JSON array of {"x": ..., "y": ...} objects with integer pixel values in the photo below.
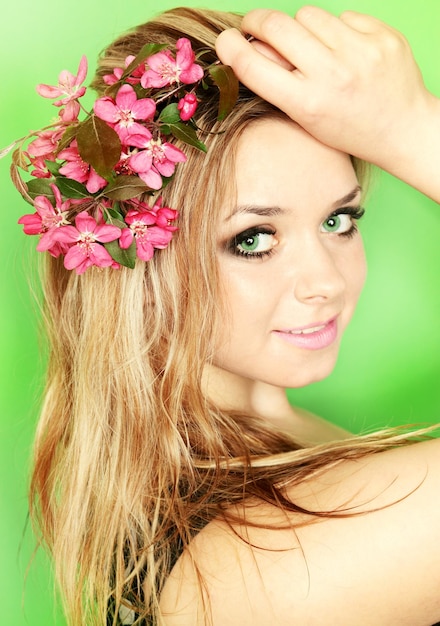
[
  {"x": 271, "y": 54},
  {"x": 362, "y": 23},
  {"x": 288, "y": 37},
  {"x": 259, "y": 73},
  {"x": 328, "y": 28},
  {"x": 369, "y": 25}
]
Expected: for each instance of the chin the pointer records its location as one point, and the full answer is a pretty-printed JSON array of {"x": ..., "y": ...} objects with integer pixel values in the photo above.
[{"x": 307, "y": 375}]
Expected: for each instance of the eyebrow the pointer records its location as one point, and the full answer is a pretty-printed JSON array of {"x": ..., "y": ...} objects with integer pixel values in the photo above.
[
  {"x": 270, "y": 211},
  {"x": 255, "y": 209},
  {"x": 348, "y": 198}
]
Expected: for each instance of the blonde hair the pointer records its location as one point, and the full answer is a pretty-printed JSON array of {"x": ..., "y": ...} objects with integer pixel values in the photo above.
[{"x": 131, "y": 459}]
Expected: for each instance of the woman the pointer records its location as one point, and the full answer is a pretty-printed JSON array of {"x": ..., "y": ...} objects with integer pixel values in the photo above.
[{"x": 173, "y": 482}]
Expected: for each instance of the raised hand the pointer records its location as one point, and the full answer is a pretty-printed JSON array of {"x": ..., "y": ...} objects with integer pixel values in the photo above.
[{"x": 352, "y": 82}]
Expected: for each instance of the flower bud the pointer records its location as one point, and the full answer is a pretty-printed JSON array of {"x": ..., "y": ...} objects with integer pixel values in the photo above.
[{"x": 187, "y": 106}]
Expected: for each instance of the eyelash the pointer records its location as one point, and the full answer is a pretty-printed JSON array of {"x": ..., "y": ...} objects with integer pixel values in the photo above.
[
  {"x": 355, "y": 213},
  {"x": 232, "y": 245}
]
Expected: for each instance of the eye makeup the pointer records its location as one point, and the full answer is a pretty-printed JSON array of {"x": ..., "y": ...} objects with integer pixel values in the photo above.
[
  {"x": 256, "y": 242},
  {"x": 342, "y": 221},
  {"x": 259, "y": 241}
]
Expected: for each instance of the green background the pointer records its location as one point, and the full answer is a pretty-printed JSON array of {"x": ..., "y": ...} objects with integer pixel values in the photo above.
[{"x": 388, "y": 370}]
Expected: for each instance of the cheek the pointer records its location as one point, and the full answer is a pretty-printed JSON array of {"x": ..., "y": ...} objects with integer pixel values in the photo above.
[
  {"x": 238, "y": 299},
  {"x": 243, "y": 313}
]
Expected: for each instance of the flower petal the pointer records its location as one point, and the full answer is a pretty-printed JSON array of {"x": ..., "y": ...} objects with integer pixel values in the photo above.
[
  {"x": 144, "y": 109},
  {"x": 159, "y": 237},
  {"x": 144, "y": 249},
  {"x": 99, "y": 255},
  {"x": 173, "y": 153},
  {"x": 151, "y": 178},
  {"x": 95, "y": 182},
  {"x": 141, "y": 161},
  {"x": 140, "y": 138},
  {"x": 85, "y": 223},
  {"x": 64, "y": 234},
  {"x": 126, "y": 238},
  {"x": 185, "y": 55},
  {"x": 77, "y": 257},
  {"x": 126, "y": 97},
  {"x": 82, "y": 71},
  {"x": 32, "y": 224},
  {"x": 107, "y": 232},
  {"x": 106, "y": 109}
]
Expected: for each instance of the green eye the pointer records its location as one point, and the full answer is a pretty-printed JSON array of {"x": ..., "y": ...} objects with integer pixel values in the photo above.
[
  {"x": 253, "y": 242},
  {"x": 250, "y": 244},
  {"x": 340, "y": 224},
  {"x": 332, "y": 224}
]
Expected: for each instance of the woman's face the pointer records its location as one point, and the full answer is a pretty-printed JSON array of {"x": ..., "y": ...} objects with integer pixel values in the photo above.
[{"x": 291, "y": 261}]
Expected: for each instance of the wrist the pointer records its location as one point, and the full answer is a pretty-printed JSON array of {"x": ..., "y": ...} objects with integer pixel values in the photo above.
[{"x": 412, "y": 147}]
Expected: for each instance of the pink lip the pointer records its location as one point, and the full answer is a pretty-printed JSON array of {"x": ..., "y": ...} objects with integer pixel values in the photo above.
[{"x": 316, "y": 340}]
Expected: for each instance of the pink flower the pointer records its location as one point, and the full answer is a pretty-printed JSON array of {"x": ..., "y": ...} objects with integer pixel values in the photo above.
[
  {"x": 45, "y": 144},
  {"x": 187, "y": 106},
  {"x": 165, "y": 70},
  {"x": 164, "y": 217},
  {"x": 146, "y": 233},
  {"x": 111, "y": 79},
  {"x": 70, "y": 112},
  {"x": 155, "y": 159},
  {"x": 42, "y": 149},
  {"x": 40, "y": 171},
  {"x": 79, "y": 170},
  {"x": 69, "y": 86},
  {"x": 122, "y": 112},
  {"x": 46, "y": 221},
  {"x": 133, "y": 79},
  {"x": 47, "y": 216},
  {"x": 86, "y": 237}
]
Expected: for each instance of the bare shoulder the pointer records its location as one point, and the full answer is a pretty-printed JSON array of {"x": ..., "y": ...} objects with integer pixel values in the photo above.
[{"x": 378, "y": 568}]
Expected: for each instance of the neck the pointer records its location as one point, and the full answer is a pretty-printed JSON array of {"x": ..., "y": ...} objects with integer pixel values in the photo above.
[{"x": 232, "y": 392}]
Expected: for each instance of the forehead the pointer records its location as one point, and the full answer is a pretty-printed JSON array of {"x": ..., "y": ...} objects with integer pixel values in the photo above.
[{"x": 279, "y": 163}]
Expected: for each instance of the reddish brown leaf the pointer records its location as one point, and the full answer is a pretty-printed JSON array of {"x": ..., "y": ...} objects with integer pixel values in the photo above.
[{"x": 99, "y": 145}]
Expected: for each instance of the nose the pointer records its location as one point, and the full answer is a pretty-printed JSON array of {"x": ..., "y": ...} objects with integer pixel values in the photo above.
[{"x": 317, "y": 273}]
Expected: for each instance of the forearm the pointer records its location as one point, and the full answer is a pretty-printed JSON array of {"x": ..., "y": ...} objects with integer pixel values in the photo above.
[{"x": 411, "y": 150}]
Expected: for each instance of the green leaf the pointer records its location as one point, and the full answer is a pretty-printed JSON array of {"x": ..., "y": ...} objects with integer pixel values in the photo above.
[
  {"x": 186, "y": 133},
  {"x": 166, "y": 180},
  {"x": 115, "y": 218},
  {"x": 125, "y": 187},
  {"x": 115, "y": 214},
  {"x": 146, "y": 51},
  {"x": 53, "y": 167},
  {"x": 71, "y": 188},
  {"x": 67, "y": 138},
  {"x": 41, "y": 187},
  {"x": 99, "y": 145},
  {"x": 227, "y": 82},
  {"x": 170, "y": 114},
  {"x": 127, "y": 257}
]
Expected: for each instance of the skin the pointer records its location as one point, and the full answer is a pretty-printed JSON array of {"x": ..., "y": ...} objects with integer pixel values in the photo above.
[
  {"x": 341, "y": 571},
  {"x": 352, "y": 83},
  {"x": 328, "y": 571},
  {"x": 311, "y": 276}
]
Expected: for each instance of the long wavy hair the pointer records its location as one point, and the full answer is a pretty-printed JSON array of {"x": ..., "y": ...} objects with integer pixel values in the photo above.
[{"x": 131, "y": 459}]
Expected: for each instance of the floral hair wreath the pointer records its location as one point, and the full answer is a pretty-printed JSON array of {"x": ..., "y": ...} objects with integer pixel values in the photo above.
[{"x": 91, "y": 177}]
